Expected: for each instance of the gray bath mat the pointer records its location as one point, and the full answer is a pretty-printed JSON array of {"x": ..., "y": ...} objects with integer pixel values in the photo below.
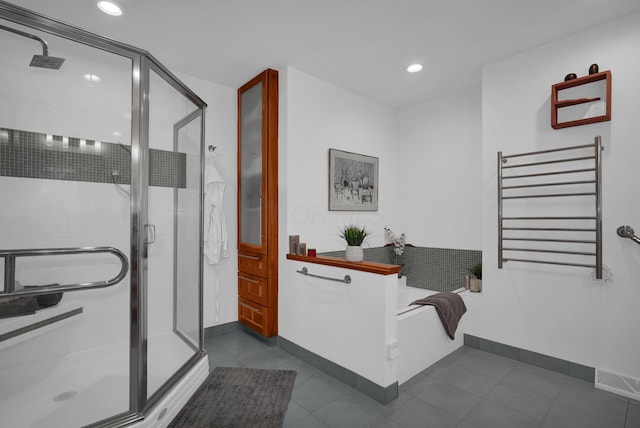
[{"x": 238, "y": 397}]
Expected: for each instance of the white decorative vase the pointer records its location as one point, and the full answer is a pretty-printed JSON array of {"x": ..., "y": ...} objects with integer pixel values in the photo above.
[{"x": 354, "y": 254}]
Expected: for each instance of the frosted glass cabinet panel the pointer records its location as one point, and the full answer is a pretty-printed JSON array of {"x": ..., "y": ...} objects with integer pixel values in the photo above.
[{"x": 250, "y": 167}]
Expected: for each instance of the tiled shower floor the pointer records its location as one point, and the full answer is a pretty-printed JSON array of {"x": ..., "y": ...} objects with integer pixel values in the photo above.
[{"x": 468, "y": 389}]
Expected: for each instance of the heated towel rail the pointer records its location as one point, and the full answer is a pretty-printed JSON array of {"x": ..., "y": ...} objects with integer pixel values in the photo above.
[
  {"x": 559, "y": 228},
  {"x": 10, "y": 270}
]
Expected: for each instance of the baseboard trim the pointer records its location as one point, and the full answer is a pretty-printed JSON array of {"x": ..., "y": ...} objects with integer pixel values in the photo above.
[
  {"x": 558, "y": 365},
  {"x": 217, "y": 330},
  {"x": 380, "y": 394},
  {"x": 271, "y": 341},
  {"x": 232, "y": 326}
]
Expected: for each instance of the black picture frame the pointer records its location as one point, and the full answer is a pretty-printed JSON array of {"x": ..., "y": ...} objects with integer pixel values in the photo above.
[{"x": 353, "y": 181}]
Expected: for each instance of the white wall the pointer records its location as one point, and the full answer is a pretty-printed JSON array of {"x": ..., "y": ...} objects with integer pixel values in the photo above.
[
  {"x": 314, "y": 117},
  {"x": 553, "y": 310},
  {"x": 439, "y": 144}
]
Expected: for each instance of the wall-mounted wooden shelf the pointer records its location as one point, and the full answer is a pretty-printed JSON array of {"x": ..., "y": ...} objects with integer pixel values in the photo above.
[
  {"x": 557, "y": 104},
  {"x": 567, "y": 103},
  {"x": 372, "y": 267}
]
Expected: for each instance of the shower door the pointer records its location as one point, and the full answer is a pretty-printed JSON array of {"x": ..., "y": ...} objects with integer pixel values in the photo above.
[
  {"x": 101, "y": 149},
  {"x": 173, "y": 232},
  {"x": 65, "y": 163}
]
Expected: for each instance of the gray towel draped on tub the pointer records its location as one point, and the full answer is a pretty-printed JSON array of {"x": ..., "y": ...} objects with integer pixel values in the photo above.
[{"x": 449, "y": 307}]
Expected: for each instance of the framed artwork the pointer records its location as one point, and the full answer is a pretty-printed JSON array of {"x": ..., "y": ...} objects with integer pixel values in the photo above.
[{"x": 353, "y": 181}]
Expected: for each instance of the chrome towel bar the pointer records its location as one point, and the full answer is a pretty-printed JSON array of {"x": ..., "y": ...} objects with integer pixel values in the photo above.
[
  {"x": 628, "y": 232},
  {"x": 304, "y": 271}
]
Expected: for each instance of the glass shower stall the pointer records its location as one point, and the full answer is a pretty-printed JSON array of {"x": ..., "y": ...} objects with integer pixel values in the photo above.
[{"x": 101, "y": 160}]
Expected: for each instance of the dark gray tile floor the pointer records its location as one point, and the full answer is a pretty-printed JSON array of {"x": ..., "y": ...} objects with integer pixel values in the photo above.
[{"x": 467, "y": 389}]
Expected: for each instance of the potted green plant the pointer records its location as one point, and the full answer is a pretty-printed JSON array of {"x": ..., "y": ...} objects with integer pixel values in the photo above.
[
  {"x": 354, "y": 236},
  {"x": 475, "y": 284}
]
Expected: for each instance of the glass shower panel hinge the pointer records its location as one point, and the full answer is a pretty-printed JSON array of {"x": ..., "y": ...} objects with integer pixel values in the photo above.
[{"x": 150, "y": 233}]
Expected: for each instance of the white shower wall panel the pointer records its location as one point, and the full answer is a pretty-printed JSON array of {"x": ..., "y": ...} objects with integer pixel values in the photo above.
[
  {"x": 47, "y": 214},
  {"x": 62, "y": 102}
]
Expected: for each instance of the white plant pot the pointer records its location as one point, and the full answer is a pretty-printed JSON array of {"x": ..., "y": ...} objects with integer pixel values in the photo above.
[
  {"x": 475, "y": 285},
  {"x": 354, "y": 254}
]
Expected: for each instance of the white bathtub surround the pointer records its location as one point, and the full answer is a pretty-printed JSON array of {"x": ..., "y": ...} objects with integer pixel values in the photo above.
[
  {"x": 350, "y": 325},
  {"x": 422, "y": 339},
  {"x": 357, "y": 326}
]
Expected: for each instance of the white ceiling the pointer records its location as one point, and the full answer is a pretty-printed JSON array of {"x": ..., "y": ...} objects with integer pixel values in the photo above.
[{"x": 360, "y": 45}]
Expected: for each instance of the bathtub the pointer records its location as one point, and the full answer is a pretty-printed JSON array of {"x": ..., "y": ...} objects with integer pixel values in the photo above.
[
  {"x": 422, "y": 340},
  {"x": 361, "y": 327}
]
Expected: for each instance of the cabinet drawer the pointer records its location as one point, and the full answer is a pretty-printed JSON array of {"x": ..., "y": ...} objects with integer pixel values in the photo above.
[
  {"x": 253, "y": 263},
  {"x": 253, "y": 316},
  {"x": 253, "y": 288}
]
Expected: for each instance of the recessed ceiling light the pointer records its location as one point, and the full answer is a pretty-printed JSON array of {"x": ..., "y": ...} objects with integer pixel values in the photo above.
[
  {"x": 414, "y": 68},
  {"x": 110, "y": 8}
]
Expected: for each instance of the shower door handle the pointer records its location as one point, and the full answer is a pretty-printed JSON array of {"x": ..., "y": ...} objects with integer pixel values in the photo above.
[{"x": 150, "y": 233}]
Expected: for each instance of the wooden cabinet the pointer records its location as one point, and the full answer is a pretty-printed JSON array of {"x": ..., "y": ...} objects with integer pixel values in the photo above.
[
  {"x": 581, "y": 101},
  {"x": 258, "y": 203}
]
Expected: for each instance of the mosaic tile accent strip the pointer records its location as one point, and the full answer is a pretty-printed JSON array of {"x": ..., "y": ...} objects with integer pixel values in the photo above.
[
  {"x": 53, "y": 157},
  {"x": 437, "y": 269}
]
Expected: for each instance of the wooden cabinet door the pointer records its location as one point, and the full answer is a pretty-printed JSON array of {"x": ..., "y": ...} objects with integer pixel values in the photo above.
[
  {"x": 258, "y": 203},
  {"x": 257, "y": 161}
]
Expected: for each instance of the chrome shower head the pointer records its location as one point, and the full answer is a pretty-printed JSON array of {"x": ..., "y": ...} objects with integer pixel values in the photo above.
[{"x": 46, "y": 61}]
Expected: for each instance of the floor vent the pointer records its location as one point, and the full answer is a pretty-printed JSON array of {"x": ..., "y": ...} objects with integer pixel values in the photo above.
[{"x": 618, "y": 384}]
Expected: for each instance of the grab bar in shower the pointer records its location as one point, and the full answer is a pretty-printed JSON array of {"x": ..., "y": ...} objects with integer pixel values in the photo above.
[
  {"x": 10, "y": 270},
  {"x": 304, "y": 271},
  {"x": 628, "y": 232},
  {"x": 552, "y": 234}
]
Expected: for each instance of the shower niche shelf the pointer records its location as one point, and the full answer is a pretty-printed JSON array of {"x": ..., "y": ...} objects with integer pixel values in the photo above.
[
  {"x": 21, "y": 328},
  {"x": 581, "y": 101}
]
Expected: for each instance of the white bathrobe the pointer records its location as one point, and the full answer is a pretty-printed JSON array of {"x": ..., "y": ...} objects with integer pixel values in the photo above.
[{"x": 216, "y": 244}]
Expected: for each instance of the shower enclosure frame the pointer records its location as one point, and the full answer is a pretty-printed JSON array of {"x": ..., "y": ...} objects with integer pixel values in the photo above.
[{"x": 142, "y": 63}]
